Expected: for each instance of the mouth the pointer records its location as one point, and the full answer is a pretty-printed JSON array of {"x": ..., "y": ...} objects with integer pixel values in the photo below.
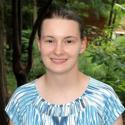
[{"x": 58, "y": 61}]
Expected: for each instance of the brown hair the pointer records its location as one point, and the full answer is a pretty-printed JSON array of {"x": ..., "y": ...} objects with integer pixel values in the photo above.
[{"x": 63, "y": 13}]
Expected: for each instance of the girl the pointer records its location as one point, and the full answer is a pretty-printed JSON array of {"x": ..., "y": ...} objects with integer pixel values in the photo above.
[{"x": 63, "y": 95}]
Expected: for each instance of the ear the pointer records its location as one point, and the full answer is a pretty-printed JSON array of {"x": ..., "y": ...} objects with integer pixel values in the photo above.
[
  {"x": 38, "y": 44},
  {"x": 84, "y": 44}
]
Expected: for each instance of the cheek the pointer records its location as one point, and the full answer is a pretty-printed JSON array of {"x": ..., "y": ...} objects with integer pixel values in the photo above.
[
  {"x": 44, "y": 50},
  {"x": 73, "y": 53},
  {"x": 75, "y": 50}
]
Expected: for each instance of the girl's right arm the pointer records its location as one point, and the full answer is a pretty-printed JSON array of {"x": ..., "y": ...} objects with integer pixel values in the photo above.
[{"x": 11, "y": 123}]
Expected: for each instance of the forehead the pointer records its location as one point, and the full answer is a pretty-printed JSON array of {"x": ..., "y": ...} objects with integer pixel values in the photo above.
[{"x": 60, "y": 26}]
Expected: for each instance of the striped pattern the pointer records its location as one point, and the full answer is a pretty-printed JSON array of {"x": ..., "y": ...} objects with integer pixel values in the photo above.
[{"x": 99, "y": 105}]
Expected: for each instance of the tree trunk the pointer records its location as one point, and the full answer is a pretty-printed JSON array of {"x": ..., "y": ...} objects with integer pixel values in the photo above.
[
  {"x": 115, "y": 14},
  {"x": 42, "y": 6},
  {"x": 65, "y": 1},
  {"x": 21, "y": 71},
  {"x": 34, "y": 10},
  {"x": 3, "y": 89},
  {"x": 111, "y": 13},
  {"x": 18, "y": 68}
]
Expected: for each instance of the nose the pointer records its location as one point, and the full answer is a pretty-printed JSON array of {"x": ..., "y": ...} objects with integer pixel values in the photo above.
[{"x": 58, "y": 48}]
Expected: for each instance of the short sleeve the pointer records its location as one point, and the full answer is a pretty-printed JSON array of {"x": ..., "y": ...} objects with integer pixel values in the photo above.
[
  {"x": 113, "y": 107},
  {"x": 13, "y": 110}
]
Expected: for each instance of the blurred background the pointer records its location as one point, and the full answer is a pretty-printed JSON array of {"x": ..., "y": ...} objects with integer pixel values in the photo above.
[{"x": 20, "y": 60}]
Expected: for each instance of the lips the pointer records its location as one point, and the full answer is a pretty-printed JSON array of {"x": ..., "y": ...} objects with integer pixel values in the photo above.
[{"x": 58, "y": 61}]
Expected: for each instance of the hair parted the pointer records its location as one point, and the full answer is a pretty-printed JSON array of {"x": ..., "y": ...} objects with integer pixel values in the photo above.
[{"x": 61, "y": 12}]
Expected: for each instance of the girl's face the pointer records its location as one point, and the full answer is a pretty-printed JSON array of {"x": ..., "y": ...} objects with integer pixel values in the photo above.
[{"x": 60, "y": 45}]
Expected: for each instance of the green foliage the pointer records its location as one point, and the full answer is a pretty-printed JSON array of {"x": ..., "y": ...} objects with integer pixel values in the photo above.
[
  {"x": 100, "y": 7},
  {"x": 11, "y": 81},
  {"x": 37, "y": 68},
  {"x": 27, "y": 14},
  {"x": 120, "y": 11},
  {"x": 78, "y": 6},
  {"x": 106, "y": 63},
  {"x": 24, "y": 47}
]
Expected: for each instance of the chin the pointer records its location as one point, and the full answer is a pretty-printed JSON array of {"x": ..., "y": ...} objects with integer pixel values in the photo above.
[
  {"x": 57, "y": 72},
  {"x": 62, "y": 70}
]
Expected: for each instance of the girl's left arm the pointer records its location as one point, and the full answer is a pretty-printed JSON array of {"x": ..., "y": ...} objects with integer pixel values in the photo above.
[{"x": 119, "y": 121}]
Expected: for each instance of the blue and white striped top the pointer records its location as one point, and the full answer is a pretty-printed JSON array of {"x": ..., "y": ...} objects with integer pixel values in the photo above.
[{"x": 99, "y": 105}]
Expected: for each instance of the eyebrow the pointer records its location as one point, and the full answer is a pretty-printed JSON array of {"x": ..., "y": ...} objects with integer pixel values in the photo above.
[
  {"x": 70, "y": 37},
  {"x": 63, "y": 38},
  {"x": 47, "y": 36}
]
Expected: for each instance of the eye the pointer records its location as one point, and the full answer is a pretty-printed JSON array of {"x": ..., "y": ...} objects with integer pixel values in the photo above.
[
  {"x": 69, "y": 41},
  {"x": 49, "y": 41}
]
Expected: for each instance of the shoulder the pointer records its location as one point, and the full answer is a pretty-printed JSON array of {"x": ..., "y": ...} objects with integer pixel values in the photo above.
[
  {"x": 101, "y": 94},
  {"x": 25, "y": 90},
  {"x": 23, "y": 95},
  {"x": 21, "y": 99},
  {"x": 104, "y": 97},
  {"x": 101, "y": 88},
  {"x": 28, "y": 87}
]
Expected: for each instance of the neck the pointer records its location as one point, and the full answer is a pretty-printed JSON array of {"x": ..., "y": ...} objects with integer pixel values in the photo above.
[
  {"x": 66, "y": 80},
  {"x": 64, "y": 87}
]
